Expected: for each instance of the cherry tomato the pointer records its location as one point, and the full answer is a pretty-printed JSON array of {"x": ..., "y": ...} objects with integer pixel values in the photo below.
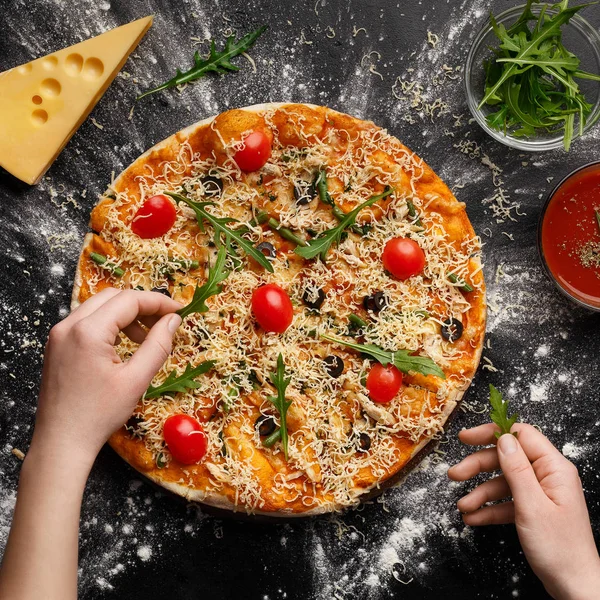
[
  {"x": 403, "y": 258},
  {"x": 272, "y": 308},
  {"x": 383, "y": 383},
  {"x": 255, "y": 153},
  {"x": 154, "y": 218},
  {"x": 185, "y": 438}
]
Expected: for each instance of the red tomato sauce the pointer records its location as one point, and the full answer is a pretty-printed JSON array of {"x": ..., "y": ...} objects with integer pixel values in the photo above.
[{"x": 570, "y": 235}]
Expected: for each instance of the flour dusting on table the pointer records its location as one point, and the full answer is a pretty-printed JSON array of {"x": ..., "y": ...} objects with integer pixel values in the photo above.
[
  {"x": 399, "y": 546},
  {"x": 540, "y": 351}
]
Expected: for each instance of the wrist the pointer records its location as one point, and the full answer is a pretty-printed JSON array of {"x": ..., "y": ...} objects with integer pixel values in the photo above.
[
  {"x": 581, "y": 586},
  {"x": 52, "y": 455},
  {"x": 58, "y": 436}
]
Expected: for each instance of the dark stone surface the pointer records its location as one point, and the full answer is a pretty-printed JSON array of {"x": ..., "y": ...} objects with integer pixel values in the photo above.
[{"x": 545, "y": 350}]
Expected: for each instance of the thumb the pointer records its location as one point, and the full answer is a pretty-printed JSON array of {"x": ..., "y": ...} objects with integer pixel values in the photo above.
[
  {"x": 153, "y": 352},
  {"x": 518, "y": 472}
]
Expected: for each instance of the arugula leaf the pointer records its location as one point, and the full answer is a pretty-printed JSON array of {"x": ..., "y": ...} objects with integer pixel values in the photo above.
[
  {"x": 211, "y": 287},
  {"x": 280, "y": 382},
  {"x": 498, "y": 119},
  {"x": 320, "y": 245},
  {"x": 216, "y": 62},
  {"x": 401, "y": 359},
  {"x": 224, "y": 235},
  {"x": 531, "y": 80},
  {"x": 530, "y": 47},
  {"x": 499, "y": 413},
  {"x": 180, "y": 383},
  {"x": 526, "y": 16},
  {"x": 552, "y": 62},
  {"x": 586, "y": 75}
]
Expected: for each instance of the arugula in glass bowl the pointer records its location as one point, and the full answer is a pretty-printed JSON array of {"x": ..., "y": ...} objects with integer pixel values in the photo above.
[{"x": 526, "y": 77}]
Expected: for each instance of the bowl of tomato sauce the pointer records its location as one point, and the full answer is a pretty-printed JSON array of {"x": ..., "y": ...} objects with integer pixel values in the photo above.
[{"x": 569, "y": 236}]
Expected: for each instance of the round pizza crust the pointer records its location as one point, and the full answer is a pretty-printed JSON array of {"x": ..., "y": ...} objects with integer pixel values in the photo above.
[{"x": 219, "y": 501}]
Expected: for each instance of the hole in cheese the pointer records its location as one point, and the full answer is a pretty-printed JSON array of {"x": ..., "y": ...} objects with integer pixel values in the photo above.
[
  {"x": 49, "y": 62},
  {"x": 51, "y": 87},
  {"x": 93, "y": 68},
  {"x": 24, "y": 69},
  {"x": 39, "y": 117},
  {"x": 73, "y": 64},
  {"x": 37, "y": 99}
]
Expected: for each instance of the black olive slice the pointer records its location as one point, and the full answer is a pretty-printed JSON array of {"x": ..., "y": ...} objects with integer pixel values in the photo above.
[
  {"x": 375, "y": 302},
  {"x": 301, "y": 196},
  {"x": 213, "y": 186},
  {"x": 133, "y": 423},
  {"x": 265, "y": 425},
  {"x": 162, "y": 290},
  {"x": 267, "y": 249},
  {"x": 364, "y": 442},
  {"x": 334, "y": 365},
  {"x": 452, "y": 329},
  {"x": 313, "y": 301}
]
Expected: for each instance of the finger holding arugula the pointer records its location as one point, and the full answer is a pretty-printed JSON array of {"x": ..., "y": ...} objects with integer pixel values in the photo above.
[
  {"x": 87, "y": 393},
  {"x": 543, "y": 498}
]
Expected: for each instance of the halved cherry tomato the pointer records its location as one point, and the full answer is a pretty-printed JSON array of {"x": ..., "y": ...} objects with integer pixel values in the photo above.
[
  {"x": 272, "y": 308},
  {"x": 383, "y": 383},
  {"x": 255, "y": 153},
  {"x": 403, "y": 257},
  {"x": 154, "y": 218},
  {"x": 185, "y": 438}
]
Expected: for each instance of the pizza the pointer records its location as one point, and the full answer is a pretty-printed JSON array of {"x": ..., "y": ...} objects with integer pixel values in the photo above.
[{"x": 334, "y": 307}]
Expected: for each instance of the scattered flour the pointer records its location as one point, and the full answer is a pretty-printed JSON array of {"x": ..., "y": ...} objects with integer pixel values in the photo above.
[
  {"x": 401, "y": 542},
  {"x": 7, "y": 506},
  {"x": 570, "y": 450},
  {"x": 145, "y": 553},
  {"x": 403, "y": 536},
  {"x": 538, "y": 392}
]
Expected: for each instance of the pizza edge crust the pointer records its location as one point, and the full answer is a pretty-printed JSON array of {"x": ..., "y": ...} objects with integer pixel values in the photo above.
[{"x": 220, "y": 501}]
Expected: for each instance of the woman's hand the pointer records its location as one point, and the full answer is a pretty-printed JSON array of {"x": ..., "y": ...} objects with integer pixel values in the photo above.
[
  {"x": 547, "y": 506},
  {"x": 87, "y": 392}
]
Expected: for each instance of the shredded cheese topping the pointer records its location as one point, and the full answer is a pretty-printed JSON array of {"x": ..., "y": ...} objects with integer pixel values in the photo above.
[{"x": 327, "y": 415}]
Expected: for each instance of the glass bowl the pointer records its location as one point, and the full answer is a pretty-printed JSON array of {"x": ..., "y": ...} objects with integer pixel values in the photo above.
[
  {"x": 578, "y": 36},
  {"x": 563, "y": 288}
]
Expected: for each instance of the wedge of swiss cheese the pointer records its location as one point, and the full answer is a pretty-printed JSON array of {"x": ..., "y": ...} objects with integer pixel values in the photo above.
[{"x": 43, "y": 102}]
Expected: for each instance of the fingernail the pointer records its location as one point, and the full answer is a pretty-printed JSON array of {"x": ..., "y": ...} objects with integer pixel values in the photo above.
[
  {"x": 507, "y": 443},
  {"x": 174, "y": 323}
]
